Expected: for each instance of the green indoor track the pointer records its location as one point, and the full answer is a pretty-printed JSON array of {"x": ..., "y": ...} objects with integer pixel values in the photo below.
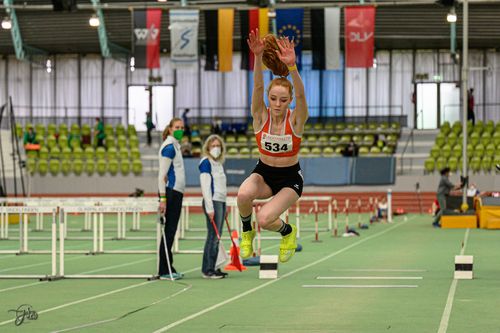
[{"x": 395, "y": 277}]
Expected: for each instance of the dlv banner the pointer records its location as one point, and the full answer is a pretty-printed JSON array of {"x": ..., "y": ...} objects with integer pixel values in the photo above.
[
  {"x": 359, "y": 35},
  {"x": 184, "y": 37},
  {"x": 147, "y": 24}
]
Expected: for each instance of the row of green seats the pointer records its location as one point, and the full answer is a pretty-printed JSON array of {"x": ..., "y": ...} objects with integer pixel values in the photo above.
[
  {"x": 474, "y": 138},
  {"x": 480, "y": 127},
  {"x": 472, "y": 150},
  {"x": 476, "y": 163},
  {"x": 314, "y": 151},
  {"x": 78, "y": 141},
  {"x": 62, "y": 129},
  {"x": 77, "y": 167},
  {"x": 89, "y": 153}
]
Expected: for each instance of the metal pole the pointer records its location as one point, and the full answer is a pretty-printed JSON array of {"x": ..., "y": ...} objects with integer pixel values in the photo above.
[{"x": 465, "y": 85}]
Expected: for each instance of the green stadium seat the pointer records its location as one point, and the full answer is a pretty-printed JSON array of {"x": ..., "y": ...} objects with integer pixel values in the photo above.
[
  {"x": 109, "y": 130},
  {"x": 453, "y": 163},
  {"x": 340, "y": 126},
  {"x": 78, "y": 153},
  {"x": 456, "y": 151},
  {"x": 133, "y": 142},
  {"x": 43, "y": 152},
  {"x": 329, "y": 127},
  {"x": 474, "y": 138},
  {"x": 232, "y": 151},
  {"x": 101, "y": 167},
  {"x": 496, "y": 161},
  {"x": 112, "y": 153},
  {"x": 345, "y": 139},
  {"x": 441, "y": 163},
  {"x": 31, "y": 165},
  {"x": 40, "y": 129},
  {"x": 77, "y": 167},
  {"x": 134, "y": 153},
  {"x": 255, "y": 152},
  {"x": 131, "y": 130},
  {"x": 304, "y": 151},
  {"x": 485, "y": 138},
  {"x": 446, "y": 151},
  {"x": 315, "y": 152},
  {"x": 113, "y": 167},
  {"x": 75, "y": 129},
  {"x": 362, "y": 150},
  {"x": 387, "y": 150},
  {"x": 323, "y": 139},
  {"x": 340, "y": 149},
  {"x": 63, "y": 129},
  {"x": 328, "y": 152},
  {"x": 65, "y": 167},
  {"x": 242, "y": 139},
  {"x": 100, "y": 153},
  {"x": 478, "y": 150},
  {"x": 51, "y": 129},
  {"x": 123, "y": 153},
  {"x": 486, "y": 163},
  {"x": 62, "y": 141},
  {"x": 457, "y": 127},
  {"x": 333, "y": 139},
  {"x": 54, "y": 167},
  {"x": 496, "y": 138},
  {"x": 307, "y": 127},
  {"x": 43, "y": 167},
  {"x": 55, "y": 152},
  {"x": 89, "y": 153},
  {"x": 230, "y": 139},
  {"x": 74, "y": 141},
  {"x": 350, "y": 127},
  {"x": 51, "y": 141},
  {"x": 429, "y": 165},
  {"x": 125, "y": 167},
  {"x": 440, "y": 139},
  {"x": 395, "y": 126},
  {"x": 374, "y": 150},
  {"x": 110, "y": 141},
  {"x": 435, "y": 152},
  {"x": 318, "y": 127},
  {"x": 89, "y": 167},
  {"x": 452, "y": 139},
  {"x": 137, "y": 167},
  {"x": 311, "y": 139},
  {"x": 120, "y": 130},
  {"x": 490, "y": 150},
  {"x": 358, "y": 139},
  {"x": 121, "y": 141},
  {"x": 66, "y": 153},
  {"x": 19, "y": 130},
  {"x": 245, "y": 152},
  {"x": 475, "y": 164}
]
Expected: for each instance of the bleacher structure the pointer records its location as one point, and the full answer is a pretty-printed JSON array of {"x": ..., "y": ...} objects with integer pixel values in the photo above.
[
  {"x": 319, "y": 139},
  {"x": 483, "y": 147},
  {"x": 74, "y": 150}
]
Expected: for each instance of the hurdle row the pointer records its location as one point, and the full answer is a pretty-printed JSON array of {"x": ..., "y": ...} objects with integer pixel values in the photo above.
[{"x": 59, "y": 224}]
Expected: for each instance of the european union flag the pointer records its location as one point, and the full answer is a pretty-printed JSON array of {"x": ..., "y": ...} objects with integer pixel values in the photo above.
[{"x": 289, "y": 23}]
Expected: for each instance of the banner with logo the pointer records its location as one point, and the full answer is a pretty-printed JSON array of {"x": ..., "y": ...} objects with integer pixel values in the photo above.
[
  {"x": 184, "y": 37},
  {"x": 289, "y": 23},
  {"x": 359, "y": 35},
  {"x": 146, "y": 47}
]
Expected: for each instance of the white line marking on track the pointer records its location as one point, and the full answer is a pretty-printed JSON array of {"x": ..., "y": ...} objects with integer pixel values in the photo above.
[
  {"x": 359, "y": 286},
  {"x": 369, "y": 278},
  {"x": 234, "y": 298},
  {"x": 443, "y": 325},
  {"x": 378, "y": 270}
]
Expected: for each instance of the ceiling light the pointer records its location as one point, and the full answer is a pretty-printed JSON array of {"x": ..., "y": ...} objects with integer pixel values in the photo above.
[
  {"x": 452, "y": 16},
  {"x": 94, "y": 21},
  {"x": 162, "y": 0},
  {"x": 6, "y": 23}
]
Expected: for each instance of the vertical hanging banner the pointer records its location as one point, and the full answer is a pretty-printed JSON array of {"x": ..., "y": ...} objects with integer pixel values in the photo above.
[
  {"x": 250, "y": 20},
  {"x": 219, "y": 25},
  {"x": 359, "y": 36},
  {"x": 325, "y": 38},
  {"x": 290, "y": 24},
  {"x": 146, "y": 32},
  {"x": 225, "y": 46},
  {"x": 184, "y": 37}
]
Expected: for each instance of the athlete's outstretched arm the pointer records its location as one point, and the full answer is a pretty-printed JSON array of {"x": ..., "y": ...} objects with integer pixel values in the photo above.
[
  {"x": 287, "y": 55},
  {"x": 256, "y": 45}
]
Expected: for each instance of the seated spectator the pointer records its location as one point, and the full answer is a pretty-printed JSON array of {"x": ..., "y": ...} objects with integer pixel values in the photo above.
[
  {"x": 351, "y": 150},
  {"x": 472, "y": 191},
  {"x": 30, "y": 136},
  {"x": 186, "y": 147},
  {"x": 216, "y": 126}
]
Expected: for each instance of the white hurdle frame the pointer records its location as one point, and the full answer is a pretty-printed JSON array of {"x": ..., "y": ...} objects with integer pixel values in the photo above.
[
  {"x": 98, "y": 214},
  {"x": 23, "y": 211}
]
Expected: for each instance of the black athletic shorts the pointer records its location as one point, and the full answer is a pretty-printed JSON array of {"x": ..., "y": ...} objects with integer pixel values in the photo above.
[{"x": 281, "y": 177}]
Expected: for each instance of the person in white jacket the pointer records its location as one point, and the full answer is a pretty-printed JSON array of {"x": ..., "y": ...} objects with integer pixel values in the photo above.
[
  {"x": 171, "y": 185},
  {"x": 214, "y": 189}
]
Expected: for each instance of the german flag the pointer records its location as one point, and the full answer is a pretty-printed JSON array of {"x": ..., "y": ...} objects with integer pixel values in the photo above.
[
  {"x": 219, "y": 26},
  {"x": 251, "y": 20}
]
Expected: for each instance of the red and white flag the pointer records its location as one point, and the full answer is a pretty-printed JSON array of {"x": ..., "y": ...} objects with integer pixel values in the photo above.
[{"x": 359, "y": 35}]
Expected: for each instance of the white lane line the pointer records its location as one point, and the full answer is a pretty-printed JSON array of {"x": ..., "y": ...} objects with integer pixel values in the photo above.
[
  {"x": 234, "y": 298},
  {"x": 359, "y": 286},
  {"x": 369, "y": 278},
  {"x": 22, "y": 286},
  {"x": 445, "y": 319},
  {"x": 378, "y": 270},
  {"x": 85, "y": 299}
]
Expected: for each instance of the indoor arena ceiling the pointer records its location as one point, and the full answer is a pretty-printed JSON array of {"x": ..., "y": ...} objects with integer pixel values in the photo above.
[{"x": 400, "y": 24}]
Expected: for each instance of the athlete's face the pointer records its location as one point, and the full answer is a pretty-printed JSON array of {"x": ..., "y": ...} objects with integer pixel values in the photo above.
[{"x": 279, "y": 99}]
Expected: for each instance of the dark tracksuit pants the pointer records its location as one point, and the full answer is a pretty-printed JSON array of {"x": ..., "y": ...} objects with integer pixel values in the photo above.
[{"x": 174, "y": 207}]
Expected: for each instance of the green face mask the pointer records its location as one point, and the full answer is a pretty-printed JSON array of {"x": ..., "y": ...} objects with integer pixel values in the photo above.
[{"x": 178, "y": 134}]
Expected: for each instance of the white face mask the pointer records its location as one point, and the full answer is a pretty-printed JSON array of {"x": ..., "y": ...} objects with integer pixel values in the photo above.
[{"x": 215, "y": 152}]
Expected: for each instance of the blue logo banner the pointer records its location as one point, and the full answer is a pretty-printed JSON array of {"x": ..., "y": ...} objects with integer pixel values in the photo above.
[{"x": 289, "y": 23}]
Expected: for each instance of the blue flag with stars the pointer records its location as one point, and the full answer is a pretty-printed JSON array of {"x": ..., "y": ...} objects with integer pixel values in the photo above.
[{"x": 289, "y": 23}]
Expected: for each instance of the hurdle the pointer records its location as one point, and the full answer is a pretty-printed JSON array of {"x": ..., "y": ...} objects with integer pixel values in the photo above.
[
  {"x": 23, "y": 212},
  {"x": 346, "y": 210},
  {"x": 301, "y": 200},
  {"x": 389, "y": 206},
  {"x": 335, "y": 218},
  {"x": 98, "y": 240}
]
